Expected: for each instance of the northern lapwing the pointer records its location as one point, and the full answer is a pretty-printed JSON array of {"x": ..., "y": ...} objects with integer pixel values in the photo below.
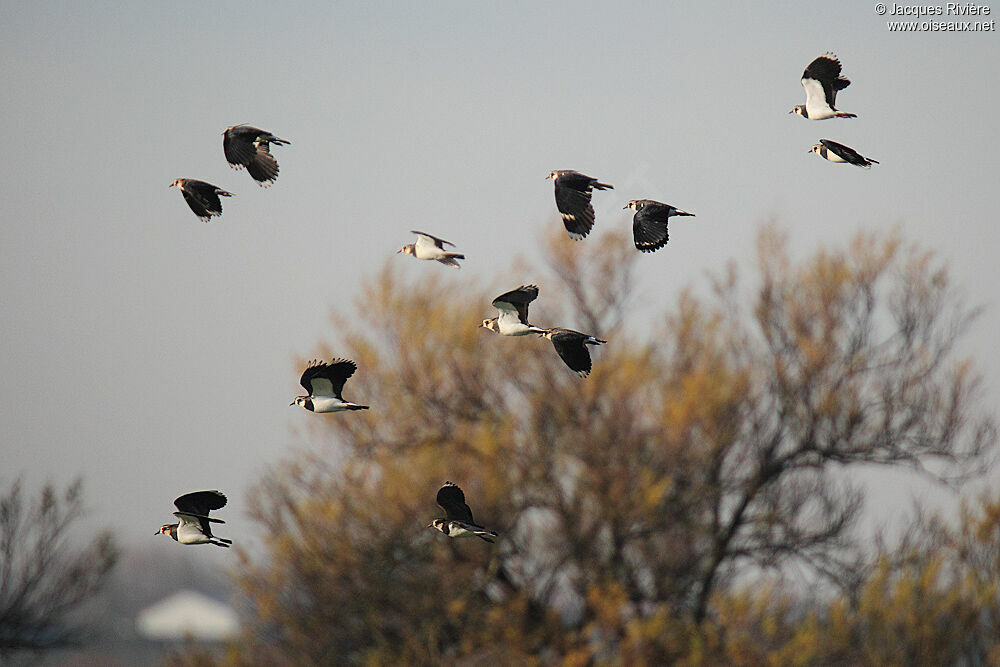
[
  {"x": 573, "y": 191},
  {"x": 431, "y": 247},
  {"x": 325, "y": 382},
  {"x": 821, "y": 81},
  {"x": 572, "y": 348},
  {"x": 458, "y": 521},
  {"x": 250, "y": 147},
  {"x": 195, "y": 523},
  {"x": 202, "y": 197},
  {"x": 513, "y": 308},
  {"x": 649, "y": 224},
  {"x": 835, "y": 152}
]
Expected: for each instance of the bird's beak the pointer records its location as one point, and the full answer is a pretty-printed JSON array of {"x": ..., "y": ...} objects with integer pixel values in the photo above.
[
  {"x": 292, "y": 403},
  {"x": 624, "y": 207}
]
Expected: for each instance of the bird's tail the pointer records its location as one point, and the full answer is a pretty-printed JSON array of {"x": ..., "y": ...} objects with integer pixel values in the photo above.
[
  {"x": 842, "y": 114},
  {"x": 223, "y": 193},
  {"x": 593, "y": 340},
  {"x": 222, "y": 543},
  {"x": 355, "y": 406},
  {"x": 679, "y": 212},
  {"x": 872, "y": 161},
  {"x": 278, "y": 142},
  {"x": 603, "y": 186}
]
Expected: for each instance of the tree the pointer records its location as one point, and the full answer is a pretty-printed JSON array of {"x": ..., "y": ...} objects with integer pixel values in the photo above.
[
  {"x": 43, "y": 578},
  {"x": 628, "y": 502}
]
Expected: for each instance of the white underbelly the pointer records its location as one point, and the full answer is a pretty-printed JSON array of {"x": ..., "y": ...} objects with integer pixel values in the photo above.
[
  {"x": 187, "y": 534},
  {"x": 328, "y": 405}
]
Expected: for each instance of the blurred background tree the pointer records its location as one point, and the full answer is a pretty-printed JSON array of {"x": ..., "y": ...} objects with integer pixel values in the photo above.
[
  {"x": 633, "y": 505},
  {"x": 43, "y": 576}
]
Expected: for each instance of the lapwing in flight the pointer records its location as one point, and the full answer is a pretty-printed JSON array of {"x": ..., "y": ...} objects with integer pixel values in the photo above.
[
  {"x": 835, "y": 152},
  {"x": 432, "y": 248},
  {"x": 325, "y": 382},
  {"x": 202, "y": 197},
  {"x": 513, "y": 308},
  {"x": 458, "y": 521},
  {"x": 821, "y": 81},
  {"x": 649, "y": 224},
  {"x": 573, "y": 191},
  {"x": 572, "y": 348},
  {"x": 194, "y": 526},
  {"x": 250, "y": 147}
]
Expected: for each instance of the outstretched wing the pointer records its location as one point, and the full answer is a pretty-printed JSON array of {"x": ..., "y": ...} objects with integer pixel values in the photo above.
[
  {"x": 452, "y": 500},
  {"x": 822, "y": 77},
  {"x": 262, "y": 167},
  {"x": 200, "y": 503},
  {"x": 569, "y": 345},
  {"x": 202, "y": 198},
  {"x": 649, "y": 227},
  {"x": 516, "y": 302},
  {"x": 573, "y": 201},
  {"x": 238, "y": 145},
  {"x": 424, "y": 238},
  {"x": 327, "y": 379}
]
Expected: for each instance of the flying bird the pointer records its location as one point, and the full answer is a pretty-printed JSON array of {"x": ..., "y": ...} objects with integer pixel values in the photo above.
[
  {"x": 573, "y": 191},
  {"x": 458, "y": 521},
  {"x": 835, "y": 152},
  {"x": 649, "y": 224},
  {"x": 325, "y": 382},
  {"x": 821, "y": 81},
  {"x": 250, "y": 147},
  {"x": 513, "y": 308},
  {"x": 194, "y": 526},
  {"x": 572, "y": 348},
  {"x": 431, "y": 247},
  {"x": 202, "y": 197}
]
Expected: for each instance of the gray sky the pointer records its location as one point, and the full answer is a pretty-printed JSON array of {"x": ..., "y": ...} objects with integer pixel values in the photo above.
[{"x": 155, "y": 354}]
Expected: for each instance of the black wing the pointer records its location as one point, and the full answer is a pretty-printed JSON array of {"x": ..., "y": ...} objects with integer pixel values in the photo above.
[
  {"x": 573, "y": 192},
  {"x": 826, "y": 70},
  {"x": 263, "y": 168},
  {"x": 238, "y": 145},
  {"x": 200, "y": 503},
  {"x": 203, "y": 198},
  {"x": 452, "y": 500},
  {"x": 569, "y": 345},
  {"x": 847, "y": 153},
  {"x": 439, "y": 242},
  {"x": 335, "y": 373},
  {"x": 649, "y": 226},
  {"x": 518, "y": 298},
  {"x": 249, "y": 147}
]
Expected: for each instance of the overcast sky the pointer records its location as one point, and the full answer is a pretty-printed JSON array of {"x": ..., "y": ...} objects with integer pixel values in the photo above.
[{"x": 155, "y": 354}]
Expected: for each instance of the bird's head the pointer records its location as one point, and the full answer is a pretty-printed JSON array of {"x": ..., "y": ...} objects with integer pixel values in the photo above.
[
  {"x": 164, "y": 529},
  {"x": 406, "y": 249},
  {"x": 304, "y": 401},
  {"x": 798, "y": 109},
  {"x": 439, "y": 524},
  {"x": 490, "y": 324},
  {"x": 634, "y": 205},
  {"x": 553, "y": 175},
  {"x": 177, "y": 183},
  {"x": 816, "y": 149}
]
